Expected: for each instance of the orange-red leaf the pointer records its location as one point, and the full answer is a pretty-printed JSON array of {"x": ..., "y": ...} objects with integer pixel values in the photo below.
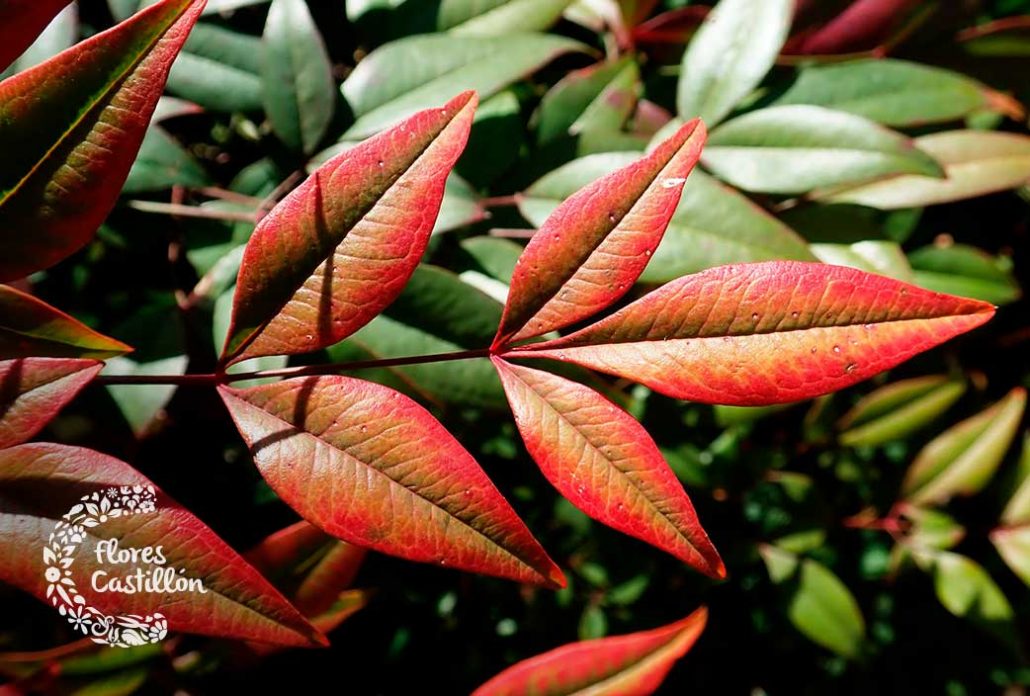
[
  {"x": 21, "y": 21},
  {"x": 765, "y": 333},
  {"x": 70, "y": 129},
  {"x": 41, "y": 482},
  {"x": 370, "y": 466},
  {"x": 33, "y": 390},
  {"x": 634, "y": 664},
  {"x": 596, "y": 244},
  {"x": 605, "y": 463},
  {"x": 339, "y": 249},
  {"x": 31, "y": 327}
]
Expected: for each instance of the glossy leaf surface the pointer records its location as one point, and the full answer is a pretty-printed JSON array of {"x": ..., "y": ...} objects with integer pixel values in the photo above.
[
  {"x": 413, "y": 73},
  {"x": 33, "y": 390},
  {"x": 594, "y": 246},
  {"x": 30, "y": 327},
  {"x": 341, "y": 246},
  {"x": 630, "y": 664},
  {"x": 297, "y": 77},
  {"x": 21, "y": 21},
  {"x": 374, "y": 468},
  {"x": 237, "y": 603},
  {"x": 898, "y": 409},
  {"x": 975, "y": 163},
  {"x": 498, "y": 17},
  {"x": 795, "y": 149},
  {"x": 604, "y": 462},
  {"x": 803, "y": 329},
  {"x": 68, "y": 143},
  {"x": 962, "y": 459},
  {"x": 730, "y": 54}
]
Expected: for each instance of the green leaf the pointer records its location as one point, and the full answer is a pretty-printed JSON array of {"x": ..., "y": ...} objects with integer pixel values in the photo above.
[
  {"x": 962, "y": 459},
  {"x": 141, "y": 403},
  {"x": 713, "y": 225},
  {"x": 825, "y": 611},
  {"x": 898, "y": 409},
  {"x": 965, "y": 270},
  {"x": 498, "y": 17},
  {"x": 873, "y": 256},
  {"x": 967, "y": 591},
  {"x": 219, "y": 69},
  {"x": 162, "y": 163},
  {"x": 297, "y": 77},
  {"x": 931, "y": 529},
  {"x": 1013, "y": 545},
  {"x": 975, "y": 163},
  {"x": 593, "y": 623},
  {"x": 600, "y": 98},
  {"x": 796, "y": 149},
  {"x": 416, "y": 72},
  {"x": 729, "y": 55},
  {"x": 1017, "y": 510},
  {"x": 893, "y": 92}
]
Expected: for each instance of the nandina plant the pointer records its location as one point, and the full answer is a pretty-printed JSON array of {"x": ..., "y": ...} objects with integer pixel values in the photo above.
[{"x": 356, "y": 459}]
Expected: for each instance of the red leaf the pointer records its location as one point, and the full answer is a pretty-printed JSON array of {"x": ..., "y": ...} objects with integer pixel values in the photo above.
[
  {"x": 859, "y": 27},
  {"x": 40, "y": 482},
  {"x": 30, "y": 327},
  {"x": 766, "y": 333},
  {"x": 21, "y": 21},
  {"x": 374, "y": 468},
  {"x": 34, "y": 390},
  {"x": 594, "y": 246},
  {"x": 340, "y": 248},
  {"x": 71, "y": 129},
  {"x": 605, "y": 463},
  {"x": 633, "y": 664}
]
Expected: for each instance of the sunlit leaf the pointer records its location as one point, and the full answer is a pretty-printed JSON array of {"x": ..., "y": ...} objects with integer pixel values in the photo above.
[
  {"x": 967, "y": 591},
  {"x": 68, "y": 143},
  {"x": 604, "y": 462},
  {"x": 975, "y": 163},
  {"x": 41, "y": 482},
  {"x": 497, "y": 17},
  {"x": 796, "y": 149},
  {"x": 803, "y": 329},
  {"x": 60, "y": 34},
  {"x": 601, "y": 96},
  {"x": 872, "y": 256},
  {"x": 30, "y": 327},
  {"x": 962, "y": 459},
  {"x": 899, "y": 409},
  {"x": 33, "y": 390},
  {"x": 593, "y": 247},
  {"x": 1017, "y": 510},
  {"x": 964, "y": 270},
  {"x": 729, "y": 55},
  {"x": 374, "y": 468},
  {"x": 342, "y": 245},
  {"x": 823, "y": 608},
  {"x": 635, "y": 663}
]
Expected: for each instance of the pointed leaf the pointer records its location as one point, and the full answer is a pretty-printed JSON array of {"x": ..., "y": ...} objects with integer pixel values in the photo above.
[
  {"x": 21, "y": 21},
  {"x": 341, "y": 246},
  {"x": 30, "y": 327},
  {"x": 795, "y": 149},
  {"x": 1017, "y": 510},
  {"x": 374, "y": 468},
  {"x": 898, "y": 409},
  {"x": 893, "y": 92},
  {"x": 593, "y": 247},
  {"x": 297, "y": 77},
  {"x": 967, "y": 590},
  {"x": 635, "y": 663},
  {"x": 962, "y": 459},
  {"x": 729, "y": 55},
  {"x": 415, "y": 72},
  {"x": 824, "y": 610},
  {"x": 975, "y": 163},
  {"x": 41, "y": 482},
  {"x": 68, "y": 143},
  {"x": 804, "y": 329},
  {"x": 33, "y": 390},
  {"x": 605, "y": 463},
  {"x": 498, "y": 17},
  {"x": 1013, "y": 545},
  {"x": 965, "y": 270}
]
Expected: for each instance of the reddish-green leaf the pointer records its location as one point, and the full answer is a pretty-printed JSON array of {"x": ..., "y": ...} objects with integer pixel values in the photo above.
[
  {"x": 39, "y": 483},
  {"x": 898, "y": 409},
  {"x": 370, "y": 466},
  {"x": 21, "y": 21},
  {"x": 340, "y": 248},
  {"x": 635, "y": 663},
  {"x": 1013, "y": 545},
  {"x": 594, "y": 246},
  {"x": 70, "y": 129},
  {"x": 33, "y": 390},
  {"x": 31, "y": 327},
  {"x": 1017, "y": 509},
  {"x": 962, "y": 459},
  {"x": 605, "y": 463},
  {"x": 764, "y": 333}
]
